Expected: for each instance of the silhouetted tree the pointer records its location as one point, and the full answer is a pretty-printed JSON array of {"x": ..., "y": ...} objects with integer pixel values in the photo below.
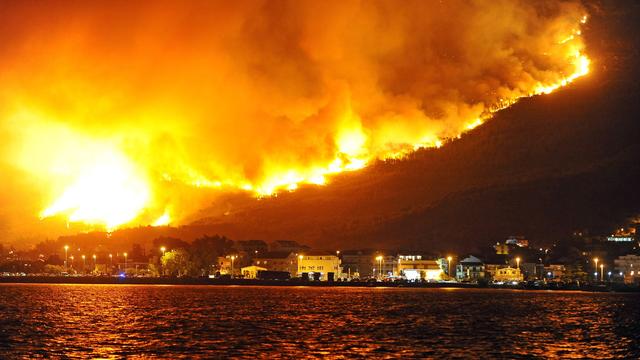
[{"x": 205, "y": 251}]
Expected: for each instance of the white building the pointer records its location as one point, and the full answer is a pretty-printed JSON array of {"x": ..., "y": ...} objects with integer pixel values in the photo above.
[
  {"x": 507, "y": 274},
  {"x": 470, "y": 269},
  {"x": 628, "y": 266},
  {"x": 415, "y": 267},
  {"x": 325, "y": 264}
]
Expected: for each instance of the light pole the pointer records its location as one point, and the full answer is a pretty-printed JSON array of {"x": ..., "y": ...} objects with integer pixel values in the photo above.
[
  {"x": 595, "y": 260},
  {"x": 163, "y": 249},
  {"x": 379, "y": 258},
  {"x": 94, "y": 262},
  {"x": 71, "y": 257},
  {"x": 449, "y": 258},
  {"x": 233, "y": 258},
  {"x": 602, "y": 272},
  {"x": 66, "y": 258},
  {"x": 110, "y": 264},
  {"x": 84, "y": 263},
  {"x": 518, "y": 262},
  {"x": 300, "y": 257},
  {"x": 125, "y": 264}
]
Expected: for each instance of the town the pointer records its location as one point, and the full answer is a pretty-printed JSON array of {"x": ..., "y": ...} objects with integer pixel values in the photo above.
[{"x": 581, "y": 260}]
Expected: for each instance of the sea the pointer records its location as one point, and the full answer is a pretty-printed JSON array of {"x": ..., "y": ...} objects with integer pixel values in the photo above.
[{"x": 219, "y": 322}]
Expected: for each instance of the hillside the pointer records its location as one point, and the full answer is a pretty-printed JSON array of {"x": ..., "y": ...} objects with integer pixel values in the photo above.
[{"x": 542, "y": 168}]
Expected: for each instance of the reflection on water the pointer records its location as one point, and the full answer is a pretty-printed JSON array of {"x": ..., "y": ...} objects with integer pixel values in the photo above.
[{"x": 113, "y": 321}]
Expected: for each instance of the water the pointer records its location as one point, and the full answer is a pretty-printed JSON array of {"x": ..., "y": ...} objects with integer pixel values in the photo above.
[{"x": 147, "y": 321}]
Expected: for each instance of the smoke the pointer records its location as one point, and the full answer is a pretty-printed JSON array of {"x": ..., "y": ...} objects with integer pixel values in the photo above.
[{"x": 257, "y": 95}]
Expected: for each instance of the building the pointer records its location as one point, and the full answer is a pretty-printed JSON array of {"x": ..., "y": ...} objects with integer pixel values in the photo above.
[
  {"x": 252, "y": 247},
  {"x": 470, "y": 269},
  {"x": 518, "y": 241},
  {"x": 507, "y": 274},
  {"x": 288, "y": 246},
  {"x": 415, "y": 267},
  {"x": 278, "y": 261},
  {"x": 554, "y": 271},
  {"x": 628, "y": 267},
  {"x": 358, "y": 263},
  {"x": 321, "y": 264},
  {"x": 251, "y": 272},
  {"x": 229, "y": 265}
]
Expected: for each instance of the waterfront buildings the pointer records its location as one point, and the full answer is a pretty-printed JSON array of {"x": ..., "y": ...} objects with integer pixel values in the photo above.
[
  {"x": 470, "y": 269},
  {"x": 415, "y": 267},
  {"x": 628, "y": 267},
  {"x": 251, "y": 272},
  {"x": 358, "y": 263},
  {"x": 321, "y": 265},
  {"x": 507, "y": 274},
  {"x": 278, "y": 261}
]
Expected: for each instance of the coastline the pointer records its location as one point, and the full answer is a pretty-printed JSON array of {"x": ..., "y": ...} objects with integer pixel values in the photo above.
[{"x": 105, "y": 280}]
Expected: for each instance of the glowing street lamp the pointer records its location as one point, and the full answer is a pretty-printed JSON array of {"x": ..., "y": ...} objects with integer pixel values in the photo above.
[
  {"x": 518, "y": 263},
  {"x": 379, "y": 258},
  {"x": 66, "y": 258},
  {"x": 163, "y": 249},
  {"x": 125, "y": 262},
  {"x": 449, "y": 258},
  {"x": 601, "y": 272},
  {"x": 300, "y": 257},
  {"x": 233, "y": 258},
  {"x": 94, "y": 262},
  {"x": 595, "y": 260}
]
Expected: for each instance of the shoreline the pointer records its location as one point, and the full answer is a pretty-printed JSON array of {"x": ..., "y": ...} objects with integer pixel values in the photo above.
[{"x": 104, "y": 280}]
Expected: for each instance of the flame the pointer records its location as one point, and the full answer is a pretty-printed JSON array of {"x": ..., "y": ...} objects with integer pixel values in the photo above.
[
  {"x": 153, "y": 156},
  {"x": 163, "y": 220},
  {"x": 110, "y": 192}
]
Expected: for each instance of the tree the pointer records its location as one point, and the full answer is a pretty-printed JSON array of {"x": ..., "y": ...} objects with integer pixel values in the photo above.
[
  {"x": 177, "y": 263},
  {"x": 205, "y": 251}
]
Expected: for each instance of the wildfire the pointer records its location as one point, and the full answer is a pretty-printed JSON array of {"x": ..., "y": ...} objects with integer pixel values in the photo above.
[{"x": 255, "y": 104}]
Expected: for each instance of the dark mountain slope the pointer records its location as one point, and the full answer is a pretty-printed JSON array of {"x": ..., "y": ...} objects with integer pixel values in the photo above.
[{"x": 541, "y": 168}]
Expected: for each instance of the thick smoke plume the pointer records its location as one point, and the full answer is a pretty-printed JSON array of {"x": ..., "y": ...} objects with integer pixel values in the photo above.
[{"x": 145, "y": 108}]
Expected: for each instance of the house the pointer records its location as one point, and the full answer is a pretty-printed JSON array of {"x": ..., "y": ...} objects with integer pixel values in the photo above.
[
  {"x": 278, "y": 261},
  {"x": 321, "y": 265},
  {"x": 359, "y": 263},
  {"x": 554, "y": 271},
  {"x": 470, "y": 269},
  {"x": 252, "y": 247},
  {"x": 251, "y": 272},
  {"x": 507, "y": 274},
  {"x": 415, "y": 267},
  {"x": 288, "y": 246},
  {"x": 628, "y": 267}
]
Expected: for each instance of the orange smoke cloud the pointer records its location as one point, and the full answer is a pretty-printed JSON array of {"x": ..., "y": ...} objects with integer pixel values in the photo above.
[{"x": 115, "y": 112}]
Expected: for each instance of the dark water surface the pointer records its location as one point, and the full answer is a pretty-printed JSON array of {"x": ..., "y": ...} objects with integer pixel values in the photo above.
[{"x": 143, "y": 321}]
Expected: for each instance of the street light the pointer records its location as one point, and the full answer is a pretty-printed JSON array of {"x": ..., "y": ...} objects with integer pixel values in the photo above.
[
  {"x": 66, "y": 258},
  {"x": 379, "y": 258},
  {"x": 71, "y": 257},
  {"x": 163, "y": 249},
  {"x": 84, "y": 263},
  {"x": 233, "y": 258},
  {"x": 595, "y": 260},
  {"x": 300, "y": 257},
  {"x": 518, "y": 262},
  {"x": 125, "y": 263},
  {"x": 449, "y": 258},
  {"x": 110, "y": 264},
  {"x": 602, "y": 272},
  {"x": 94, "y": 262}
]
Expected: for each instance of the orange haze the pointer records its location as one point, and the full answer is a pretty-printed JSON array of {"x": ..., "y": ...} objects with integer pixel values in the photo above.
[{"x": 138, "y": 112}]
